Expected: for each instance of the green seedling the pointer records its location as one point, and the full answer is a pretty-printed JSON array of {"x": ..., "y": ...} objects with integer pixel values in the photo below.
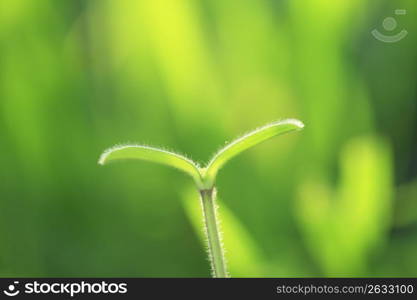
[{"x": 205, "y": 177}]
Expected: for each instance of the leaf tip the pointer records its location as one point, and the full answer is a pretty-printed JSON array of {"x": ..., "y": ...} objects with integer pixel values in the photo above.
[
  {"x": 103, "y": 157},
  {"x": 297, "y": 123}
]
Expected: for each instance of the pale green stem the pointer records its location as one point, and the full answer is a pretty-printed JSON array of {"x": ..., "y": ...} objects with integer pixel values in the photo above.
[{"x": 213, "y": 235}]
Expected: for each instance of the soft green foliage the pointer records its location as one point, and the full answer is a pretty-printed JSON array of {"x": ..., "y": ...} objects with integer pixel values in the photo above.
[
  {"x": 78, "y": 76},
  {"x": 203, "y": 177},
  {"x": 343, "y": 226}
]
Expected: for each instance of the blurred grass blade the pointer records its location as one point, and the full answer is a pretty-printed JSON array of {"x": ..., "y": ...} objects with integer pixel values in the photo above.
[
  {"x": 249, "y": 140},
  {"x": 405, "y": 213},
  {"x": 344, "y": 227},
  {"x": 154, "y": 155}
]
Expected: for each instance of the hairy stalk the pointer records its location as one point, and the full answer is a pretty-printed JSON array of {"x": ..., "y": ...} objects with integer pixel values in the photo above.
[
  {"x": 204, "y": 178},
  {"x": 216, "y": 255}
]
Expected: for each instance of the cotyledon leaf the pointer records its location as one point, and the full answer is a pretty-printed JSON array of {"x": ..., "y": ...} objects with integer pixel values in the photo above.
[
  {"x": 154, "y": 155},
  {"x": 247, "y": 141}
]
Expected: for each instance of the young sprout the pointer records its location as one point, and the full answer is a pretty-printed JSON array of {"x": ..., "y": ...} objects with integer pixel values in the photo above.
[{"x": 205, "y": 177}]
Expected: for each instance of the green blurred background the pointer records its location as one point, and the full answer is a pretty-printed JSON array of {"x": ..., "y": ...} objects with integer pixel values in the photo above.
[{"x": 76, "y": 77}]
